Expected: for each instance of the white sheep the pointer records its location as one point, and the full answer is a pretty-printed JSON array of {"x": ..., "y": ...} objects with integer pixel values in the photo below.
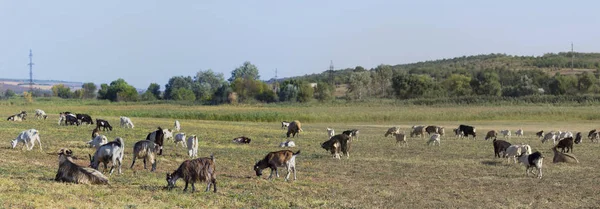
[
  {"x": 516, "y": 150},
  {"x": 330, "y": 132},
  {"x": 433, "y": 139},
  {"x": 180, "y": 139},
  {"x": 287, "y": 144},
  {"x": 192, "y": 145},
  {"x": 177, "y": 125},
  {"x": 27, "y": 137},
  {"x": 98, "y": 141}
]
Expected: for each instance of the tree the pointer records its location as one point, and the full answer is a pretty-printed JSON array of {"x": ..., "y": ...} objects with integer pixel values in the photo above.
[
  {"x": 183, "y": 94},
  {"x": 177, "y": 82},
  {"x": 103, "y": 92},
  {"x": 288, "y": 92},
  {"x": 221, "y": 94},
  {"x": 323, "y": 92},
  {"x": 306, "y": 92},
  {"x": 62, "y": 91},
  {"x": 585, "y": 82},
  {"x": 89, "y": 90},
  {"x": 359, "y": 85},
  {"x": 246, "y": 71},
  {"x": 154, "y": 90},
  {"x": 382, "y": 79},
  {"x": 486, "y": 83},
  {"x": 148, "y": 96},
  {"x": 458, "y": 85},
  {"x": 206, "y": 84},
  {"x": 9, "y": 93},
  {"x": 78, "y": 94},
  {"x": 408, "y": 86},
  {"x": 118, "y": 90}
]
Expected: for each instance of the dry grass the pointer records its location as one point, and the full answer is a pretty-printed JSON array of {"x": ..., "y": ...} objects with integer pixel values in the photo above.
[{"x": 460, "y": 173}]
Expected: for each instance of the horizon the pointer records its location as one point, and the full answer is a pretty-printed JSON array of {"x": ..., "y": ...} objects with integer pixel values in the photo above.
[{"x": 150, "y": 42}]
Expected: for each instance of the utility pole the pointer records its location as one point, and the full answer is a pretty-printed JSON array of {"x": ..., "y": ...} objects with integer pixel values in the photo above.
[
  {"x": 331, "y": 80},
  {"x": 30, "y": 71}
]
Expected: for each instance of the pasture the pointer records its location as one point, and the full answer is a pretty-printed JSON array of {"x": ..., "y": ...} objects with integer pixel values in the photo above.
[{"x": 459, "y": 173}]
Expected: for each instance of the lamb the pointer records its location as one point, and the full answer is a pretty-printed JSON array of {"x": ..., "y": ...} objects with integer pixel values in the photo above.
[
  {"x": 180, "y": 139},
  {"x": 534, "y": 160},
  {"x": 284, "y": 124},
  {"x": 418, "y": 130},
  {"x": 98, "y": 141},
  {"x": 242, "y": 140},
  {"x": 505, "y": 133},
  {"x": 294, "y": 128},
  {"x": 110, "y": 152},
  {"x": 177, "y": 126},
  {"x": 566, "y": 143},
  {"x": 563, "y": 157},
  {"x": 500, "y": 146},
  {"x": 401, "y": 138},
  {"x": 39, "y": 114},
  {"x": 435, "y": 138},
  {"x": 146, "y": 150},
  {"x": 126, "y": 122},
  {"x": 514, "y": 151},
  {"x": 337, "y": 144},
  {"x": 392, "y": 131},
  {"x": 578, "y": 138},
  {"x": 519, "y": 133},
  {"x": 491, "y": 134},
  {"x": 27, "y": 137},
  {"x": 73, "y": 173},
  {"x": 287, "y": 143},
  {"x": 330, "y": 132},
  {"x": 192, "y": 171},
  {"x": 282, "y": 158},
  {"x": 192, "y": 145}
]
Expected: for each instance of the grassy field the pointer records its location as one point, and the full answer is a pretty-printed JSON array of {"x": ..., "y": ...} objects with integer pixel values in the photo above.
[{"x": 459, "y": 173}]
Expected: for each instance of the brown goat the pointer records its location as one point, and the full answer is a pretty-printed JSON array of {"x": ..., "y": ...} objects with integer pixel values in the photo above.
[
  {"x": 71, "y": 172},
  {"x": 95, "y": 132},
  {"x": 294, "y": 128},
  {"x": 192, "y": 171},
  {"x": 146, "y": 150},
  {"x": 337, "y": 144},
  {"x": 563, "y": 157},
  {"x": 280, "y": 158},
  {"x": 491, "y": 134}
]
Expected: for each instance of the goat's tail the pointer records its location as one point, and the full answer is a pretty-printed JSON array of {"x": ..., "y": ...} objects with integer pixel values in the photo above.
[
  {"x": 120, "y": 141},
  {"x": 212, "y": 157},
  {"x": 297, "y": 153}
]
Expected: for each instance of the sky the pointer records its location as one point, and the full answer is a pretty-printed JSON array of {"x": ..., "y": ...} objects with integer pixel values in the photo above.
[{"x": 150, "y": 41}]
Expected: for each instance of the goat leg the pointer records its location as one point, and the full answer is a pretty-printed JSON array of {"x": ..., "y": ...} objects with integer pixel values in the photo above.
[
  {"x": 133, "y": 162},
  {"x": 186, "y": 185},
  {"x": 144, "y": 163}
]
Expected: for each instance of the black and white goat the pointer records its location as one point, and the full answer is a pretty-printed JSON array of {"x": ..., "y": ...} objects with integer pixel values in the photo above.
[
  {"x": 532, "y": 161},
  {"x": 111, "y": 152},
  {"x": 242, "y": 140},
  {"x": 100, "y": 123}
]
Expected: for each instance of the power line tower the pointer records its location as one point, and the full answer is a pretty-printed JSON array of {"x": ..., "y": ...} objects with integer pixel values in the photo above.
[
  {"x": 30, "y": 71},
  {"x": 331, "y": 79},
  {"x": 572, "y": 56},
  {"x": 276, "y": 84}
]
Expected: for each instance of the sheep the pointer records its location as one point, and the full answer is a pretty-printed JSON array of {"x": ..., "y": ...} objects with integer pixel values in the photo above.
[
  {"x": 98, "y": 141},
  {"x": 353, "y": 134},
  {"x": 180, "y": 139},
  {"x": 514, "y": 151},
  {"x": 27, "y": 137},
  {"x": 73, "y": 173},
  {"x": 242, "y": 140},
  {"x": 110, "y": 152},
  {"x": 146, "y": 150},
  {"x": 505, "y": 133},
  {"x": 534, "y": 160},
  {"x": 433, "y": 139},
  {"x": 566, "y": 143},
  {"x": 287, "y": 143},
  {"x": 330, "y": 132},
  {"x": 401, "y": 138},
  {"x": 500, "y": 146},
  {"x": 39, "y": 114},
  {"x": 126, "y": 122},
  {"x": 157, "y": 137},
  {"x": 550, "y": 136},
  {"x": 337, "y": 144},
  {"x": 282, "y": 158},
  {"x": 491, "y": 134},
  {"x": 284, "y": 124},
  {"x": 578, "y": 138},
  {"x": 563, "y": 157},
  {"x": 519, "y": 133},
  {"x": 417, "y": 131},
  {"x": 104, "y": 124},
  {"x": 294, "y": 128},
  {"x": 540, "y": 134},
  {"x": 192, "y": 145},
  {"x": 192, "y": 171},
  {"x": 177, "y": 125},
  {"x": 392, "y": 131}
]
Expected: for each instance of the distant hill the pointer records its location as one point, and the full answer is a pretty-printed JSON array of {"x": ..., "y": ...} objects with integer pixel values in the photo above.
[{"x": 21, "y": 85}]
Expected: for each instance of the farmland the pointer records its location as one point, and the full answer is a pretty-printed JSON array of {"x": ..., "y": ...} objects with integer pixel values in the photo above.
[{"x": 459, "y": 173}]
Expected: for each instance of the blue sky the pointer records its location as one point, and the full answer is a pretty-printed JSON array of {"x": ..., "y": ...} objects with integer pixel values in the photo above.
[{"x": 147, "y": 42}]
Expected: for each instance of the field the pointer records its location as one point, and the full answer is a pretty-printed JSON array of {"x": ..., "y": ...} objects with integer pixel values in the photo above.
[{"x": 461, "y": 173}]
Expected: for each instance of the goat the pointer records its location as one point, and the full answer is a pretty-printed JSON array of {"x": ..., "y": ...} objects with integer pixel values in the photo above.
[
  {"x": 287, "y": 144},
  {"x": 578, "y": 138},
  {"x": 417, "y": 130},
  {"x": 168, "y": 134},
  {"x": 104, "y": 124},
  {"x": 39, "y": 114},
  {"x": 431, "y": 129},
  {"x": 192, "y": 145},
  {"x": 98, "y": 141},
  {"x": 563, "y": 157},
  {"x": 284, "y": 124},
  {"x": 534, "y": 160},
  {"x": 591, "y": 132},
  {"x": 401, "y": 137},
  {"x": 353, "y": 134},
  {"x": 550, "y": 136},
  {"x": 500, "y": 146},
  {"x": 280, "y": 158},
  {"x": 71, "y": 119},
  {"x": 519, "y": 133},
  {"x": 18, "y": 117},
  {"x": 73, "y": 173},
  {"x": 145, "y": 150},
  {"x": 177, "y": 125},
  {"x": 540, "y": 134},
  {"x": 330, "y": 132},
  {"x": 505, "y": 133},
  {"x": 392, "y": 131},
  {"x": 435, "y": 138},
  {"x": 294, "y": 128},
  {"x": 62, "y": 118},
  {"x": 595, "y": 136},
  {"x": 157, "y": 137},
  {"x": 192, "y": 171},
  {"x": 180, "y": 139},
  {"x": 338, "y": 144},
  {"x": 110, "y": 152},
  {"x": 491, "y": 134},
  {"x": 28, "y": 137},
  {"x": 242, "y": 140},
  {"x": 84, "y": 118},
  {"x": 95, "y": 132},
  {"x": 458, "y": 133},
  {"x": 514, "y": 151},
  {"x": 566, "y": 143},
  {"x": 126, "y": 122}
]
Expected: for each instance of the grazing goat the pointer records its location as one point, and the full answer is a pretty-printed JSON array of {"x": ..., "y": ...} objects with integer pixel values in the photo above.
[
  {"x": 330, "y": 132},
  {"x": 337, "y": 144},
  {"x": 566, "y": 143},
  {"x": 578, "y": 138},
  {"x": 353, "y": 134},
  {"x": 591, "y": 132},
  {"x": 27, "y": 137},
  {"x": 71, "y": 119},
  {"x": 550, "y": 136},
  {"x": 39, "y": 114},
  {"x": 491, "y": 134},
  {"x": 540, "y": 134},
  {"x": 565, "y": 134},
  {"x": 242, "y": 140},
  {"x": 458, "y": 133},
  {"x": 95, "y": 132},
  {"x": 514, "y": 151},
  {"x": 563, "y": 157},
  {"x": 283, "y": 158},
  {"x": 157, "y": 137},
  {"x": 294, "y": 128},
  {"x": 400, "y": 137},
  {"x": 519, "y": 133},
  {"x": 145, "y": 150},
  {"x": 177, "y": 126},
  {"x": 505, "y": 133},
  {"x": 435, "y": 138},
  {"x": 468, "y": 130},
  {"x": 126, "y": 122},
  {"x": 110, "y": 152},
  {"x": 192, "y": 145},
  {"x": 287, "y": 144},
  {"x": 104, "y": 124},
  {"x": 192, "y": 171},
  {"x": 84, "y": 118},
  {"x": 284, "y": 124},
  {"x": 180, "y": 139},
  {"x": 595, "y": 136},
  {"x": 534, "y": 160},
  {"x": 417, "y": 131},
  {"x": 431, "y": 129},
  {"x": 73, "y": 173},
  {"x": 98, "y": 141},
  {"x": 500, "y": 146},
  {"x": 392, "y": 131},
  {"x": 62, "y": 118}
]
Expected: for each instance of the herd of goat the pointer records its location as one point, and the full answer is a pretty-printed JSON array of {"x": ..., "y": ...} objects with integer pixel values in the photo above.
[{"x": 203, "y": 169}]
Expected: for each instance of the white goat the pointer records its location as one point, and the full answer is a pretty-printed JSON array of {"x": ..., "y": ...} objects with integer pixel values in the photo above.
[
  {"x": 168, "y": 134},
  {"x": 534, "y": 160},
  {"x": 180, "y": 139},
  {"x": 27, "y": 137},
  {"x": 98, "y": 141},
  {"x": 330, "y": 132},
  {"x": 519, "y": 133},
  {"x": 192, "y": 145},
  {"x": 516, "y": 150},
  {"x": 39, "y": 114},
  {"x": 505, "y": 133},
  {"x": 126, "y": 122},
  {"x": 287, "y": 144},
  {"x": 177, "y": 125},
  {"x": 435, "y": 138}
]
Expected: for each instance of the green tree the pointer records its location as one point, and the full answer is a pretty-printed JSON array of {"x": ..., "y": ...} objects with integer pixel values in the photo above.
[
  {"x": 148, "y": 96},
  {"x": 585, "y": 82},
  {"x": 324, "y": 92},
  {"x": 458, "y": 85},
  {"x": 288, "y": 92},
  {"x": 306, "y": 92},
  {"x": 154, "y": 90},
  {"x": 206, "y": 84},
  {"x": 246, "y": 71},
  {"x": 177, "y": 82},
  {"x": 9, "y": 93},
  {"x": 78, "y": 93},
  {"x": 407, "y": 86},
  {"x": 103, "y": 92},
  {"x": 221, "y": 95},
  {"x": 117, "y": 91},
  {"x": 359, "y": 85},
  {"x": 382, "y": 78},
  {"x": 486, "y": 83},
  {"x": 88, "y": 90},
  {"x": 183, "y": 94},
  {"x": 62, "y": 91}
]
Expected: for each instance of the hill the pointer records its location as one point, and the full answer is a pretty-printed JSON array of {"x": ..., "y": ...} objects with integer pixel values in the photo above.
[{"x": 21, "y": 85}]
